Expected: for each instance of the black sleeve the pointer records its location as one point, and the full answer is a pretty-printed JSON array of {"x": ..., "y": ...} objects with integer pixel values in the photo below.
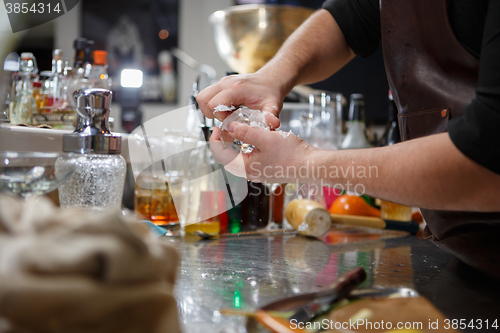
[
  {"x": 477, "y": 132},
  {"x": 359, "y": 21}
]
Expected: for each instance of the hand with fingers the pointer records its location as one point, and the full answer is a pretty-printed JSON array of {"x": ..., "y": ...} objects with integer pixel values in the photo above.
[
  {"x": 255, "y": 91},
  {"x": 276, "y": 158}
]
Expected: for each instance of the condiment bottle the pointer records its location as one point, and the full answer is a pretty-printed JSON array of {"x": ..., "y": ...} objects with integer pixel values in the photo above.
[{"x": 99, "y": 177}]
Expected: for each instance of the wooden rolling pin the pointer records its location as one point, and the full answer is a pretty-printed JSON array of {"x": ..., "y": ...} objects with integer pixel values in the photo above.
[
  {"x": 375, "y": 222},
  {"x": 308, "y": 217}
]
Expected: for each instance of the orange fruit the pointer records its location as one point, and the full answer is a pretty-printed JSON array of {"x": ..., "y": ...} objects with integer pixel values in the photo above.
[{"x": 353, "y": 205}]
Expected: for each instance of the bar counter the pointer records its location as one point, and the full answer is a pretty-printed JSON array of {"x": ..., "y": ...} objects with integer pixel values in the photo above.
[{"x": 246, "y": 273}]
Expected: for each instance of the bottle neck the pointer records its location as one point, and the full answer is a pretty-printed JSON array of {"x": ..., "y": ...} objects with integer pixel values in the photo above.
[
  {"x": 79, "y": 55},
  {"x": 357, "y": 111},
  {"x": 26, "y": 82},
  {"x": 87, "y": 69}
]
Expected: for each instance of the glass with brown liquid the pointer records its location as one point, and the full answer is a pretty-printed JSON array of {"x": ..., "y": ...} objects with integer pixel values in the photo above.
[{"x": 153, "y": 200}]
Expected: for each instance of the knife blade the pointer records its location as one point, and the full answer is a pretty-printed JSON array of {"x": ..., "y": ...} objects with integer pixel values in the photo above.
[{"x": 339, "y": 290}]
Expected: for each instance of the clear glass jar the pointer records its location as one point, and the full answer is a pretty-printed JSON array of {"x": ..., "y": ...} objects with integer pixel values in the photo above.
[{"x": 97, "y": 183}]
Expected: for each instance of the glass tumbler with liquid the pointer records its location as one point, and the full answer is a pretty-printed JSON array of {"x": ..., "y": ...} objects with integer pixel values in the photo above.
[{"x": 201, "y": 194}]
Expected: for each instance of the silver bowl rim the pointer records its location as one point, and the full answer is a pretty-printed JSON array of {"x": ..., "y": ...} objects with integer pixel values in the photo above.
[{"x": 216, "y": 17}]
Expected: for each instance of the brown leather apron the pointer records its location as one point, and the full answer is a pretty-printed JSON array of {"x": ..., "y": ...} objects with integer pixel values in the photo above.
[{"x": 432, "y": 78}]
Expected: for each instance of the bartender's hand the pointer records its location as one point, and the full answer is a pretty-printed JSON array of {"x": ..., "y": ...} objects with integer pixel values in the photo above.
[
  {"x": 275, "y": 159},
  {"x": 315, "y": 51},
  {"x": 256, "y": 91}
]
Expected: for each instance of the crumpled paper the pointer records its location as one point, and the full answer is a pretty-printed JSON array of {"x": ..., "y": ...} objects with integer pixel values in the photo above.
[{"x": 69, "y": 271}]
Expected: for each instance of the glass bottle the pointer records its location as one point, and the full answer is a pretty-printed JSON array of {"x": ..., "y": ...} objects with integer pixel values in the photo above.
[
  {"x": 83, "y": 64},
  {"x": 39, "y": 95},
  {"x": 99, "y": 75},
  {"x": 25, "y": 103},
  {"x": 53, "y": 98},
  {"x": 167, "y": 77},
  {"x": 356, "y": 136},
  {"x": 99, "y": 177},
  {"x": 84, "y": 58},
  {"x": 79, "y": 46},
  {"x": 391, "y": 134}
]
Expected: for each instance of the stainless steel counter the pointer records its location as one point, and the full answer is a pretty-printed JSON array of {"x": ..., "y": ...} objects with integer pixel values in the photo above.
[{"x": 248, "y": 272}]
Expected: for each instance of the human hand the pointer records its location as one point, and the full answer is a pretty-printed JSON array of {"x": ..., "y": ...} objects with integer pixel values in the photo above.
[
  {"x": 255, "y": 91},
  {"x": 278, "y": 157}
]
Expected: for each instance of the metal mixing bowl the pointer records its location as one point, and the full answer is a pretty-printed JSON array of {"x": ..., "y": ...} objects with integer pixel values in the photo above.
[{"x": 248, "y": 36}]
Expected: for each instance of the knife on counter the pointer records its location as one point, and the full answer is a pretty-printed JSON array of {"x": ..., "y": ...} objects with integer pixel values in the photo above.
[
  {"x": 339, "y": 290},
  {"x": 312, "y": 304}
]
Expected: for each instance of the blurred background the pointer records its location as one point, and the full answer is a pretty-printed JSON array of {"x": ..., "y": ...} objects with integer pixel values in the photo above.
[{"x": 135, "y": 34}]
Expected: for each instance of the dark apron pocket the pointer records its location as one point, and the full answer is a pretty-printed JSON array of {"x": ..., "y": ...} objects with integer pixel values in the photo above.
[{"x": 422, "y": 123}]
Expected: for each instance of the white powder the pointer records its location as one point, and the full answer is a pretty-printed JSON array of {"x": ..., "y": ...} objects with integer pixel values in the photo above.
[
  {"x": 284, "y": 134},
  {"x": 222, "y": 107},
  {"x": 258, "y": 124}
]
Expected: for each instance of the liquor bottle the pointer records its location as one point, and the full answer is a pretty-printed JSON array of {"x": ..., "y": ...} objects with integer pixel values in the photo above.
[
  {"x": 168, "y": 81},
  {"x": 99, "y": 75},
  {"x": 83, "y": 64},
  {"x": 391, "y": 134},
  {"x": 25, "y": 103},
  {"x": 356, "y": 136},
  {"x": 79, "y": 46},
  {"x": 84, "y": 59}
]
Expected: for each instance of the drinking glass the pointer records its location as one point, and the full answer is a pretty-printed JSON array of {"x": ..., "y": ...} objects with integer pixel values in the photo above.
[
  {"x": 157, "y": 195},
  {"x": 271, "y": 225}
]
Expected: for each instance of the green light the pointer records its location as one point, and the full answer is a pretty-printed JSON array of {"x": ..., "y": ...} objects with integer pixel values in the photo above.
[
  {"x": 237, "y": 299},
  {"x": 235, "y": 226}
]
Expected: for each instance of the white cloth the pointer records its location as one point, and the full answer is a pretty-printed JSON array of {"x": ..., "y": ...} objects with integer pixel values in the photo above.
[{"x": 68, "y": 271}]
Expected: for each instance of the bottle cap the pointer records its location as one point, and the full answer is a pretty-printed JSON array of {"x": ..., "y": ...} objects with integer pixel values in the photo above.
[
  {"x": 92, "y": 135},
  {"x": 100, "y": 57},
  {"x": 57, "y": 54},
  {"x": 79, "y": 43},
  {"x": 89, "y": 52},
  {"x": 27, "y": 64},
  {"x": 27, "y": 56}
]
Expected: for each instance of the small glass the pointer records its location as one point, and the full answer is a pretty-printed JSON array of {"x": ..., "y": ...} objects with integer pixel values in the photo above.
[
  {"x": 322, "y": 125},
  {"x": 156, "y": 196},
  {"x": 201, "y": 192}
]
